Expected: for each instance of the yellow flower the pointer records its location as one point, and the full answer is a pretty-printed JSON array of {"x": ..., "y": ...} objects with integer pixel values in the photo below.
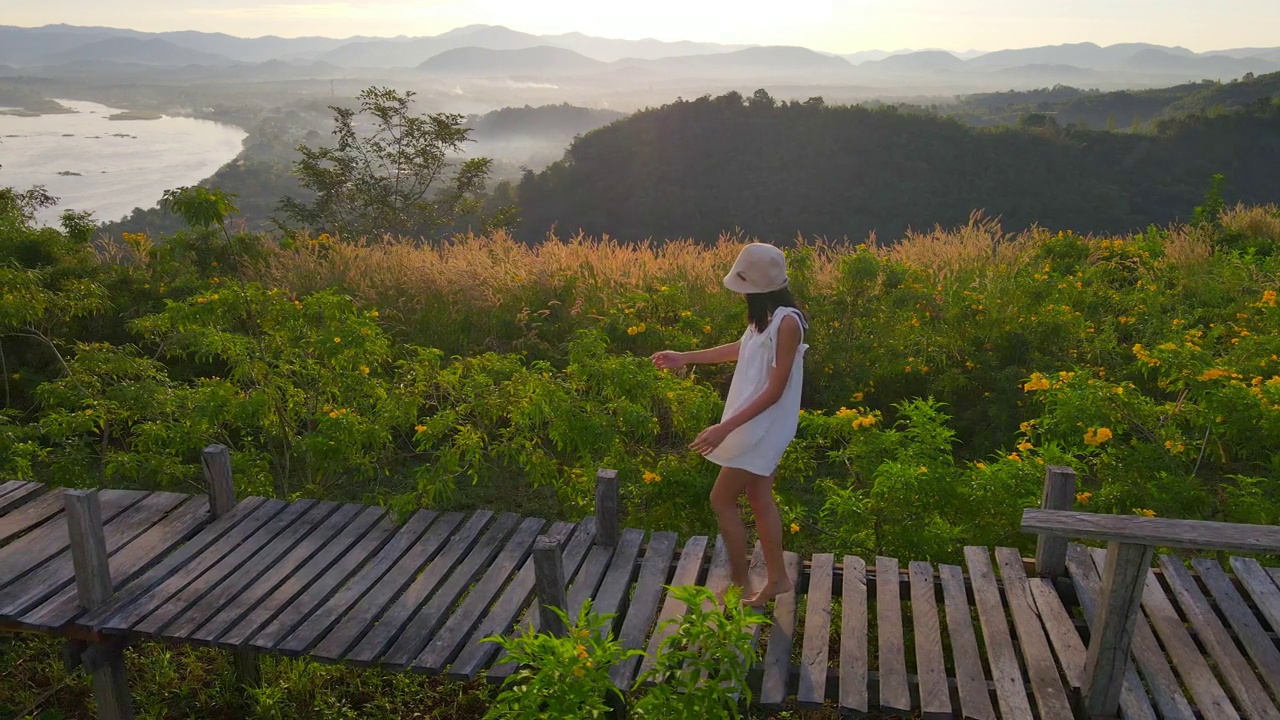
[
  {"x": 1214, "y": 374},
  {"x": 1144, "y": 512},
  {"x": 364, "y": 369},
  {"x": 297, "y": 304},
  {"x": 89, "y": 411},
  {"x": 685, "y": 314},
  {"x": 582, "y": 651},
  {"x": 651, "y": 477},
  {"x": 1084, "y": 497},
  {"x": 1024, "y": 446},
  {"x": 337, "y": 339},
  {"x": 845, "y": 412},
  {"x": 1269, "y": 297},
  {"x": 922, "y": 470},
  {"x": 1117, "y": 390},
  {"x": 1026, "y": 427},
  {"x": 857, "y": 397},
  {"x": 373, "y": 314},
  {"x": 202, "y": 300},
  {"x": 213, "y": 296},
  {"x": 1014, "y": 457},
  {"x": 795, "y": 528},
  {"x": 1097, "y": 437},
  {"x": 663, "y": 288},
  {"x": 980, "y": 465},
  {"x": 333, "y": 414},
  {"x": 579, "y": 672},
  {"x": 1038, "y": 382},
  {"x": 706, "y": 328},
  {"x": 420, "y": 428}
]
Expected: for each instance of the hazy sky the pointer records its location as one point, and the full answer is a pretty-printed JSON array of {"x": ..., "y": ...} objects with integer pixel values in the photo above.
[{"x": 832, "y": 25}]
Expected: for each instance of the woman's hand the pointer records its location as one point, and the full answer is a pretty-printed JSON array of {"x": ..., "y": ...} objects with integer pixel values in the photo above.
[
  {"x": 710, "y": 438},
  {"x": 668, "y": 360}
]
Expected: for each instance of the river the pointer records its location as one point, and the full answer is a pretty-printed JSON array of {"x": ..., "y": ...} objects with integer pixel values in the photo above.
[{"x": 118, "y": 164}]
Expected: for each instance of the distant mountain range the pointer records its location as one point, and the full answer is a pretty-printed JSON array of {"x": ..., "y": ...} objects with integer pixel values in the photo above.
[{"x": 493, "y": 51}]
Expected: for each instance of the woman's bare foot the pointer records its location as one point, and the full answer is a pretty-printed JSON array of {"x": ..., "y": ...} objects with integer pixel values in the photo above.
[{"x": 770, "y": 591}]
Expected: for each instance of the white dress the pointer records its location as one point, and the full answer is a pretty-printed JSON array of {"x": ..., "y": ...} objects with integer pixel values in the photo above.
[{"x": 757, "y": 445}]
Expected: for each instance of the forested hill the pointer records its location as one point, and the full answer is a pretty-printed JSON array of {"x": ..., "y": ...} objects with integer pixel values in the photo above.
[
  {"x": 1113, "y": 110},
  {"x": 697, "y": 168}
]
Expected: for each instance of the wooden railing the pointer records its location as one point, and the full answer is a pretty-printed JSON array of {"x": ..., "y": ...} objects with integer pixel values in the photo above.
[{"x": 1131, "y": 541}]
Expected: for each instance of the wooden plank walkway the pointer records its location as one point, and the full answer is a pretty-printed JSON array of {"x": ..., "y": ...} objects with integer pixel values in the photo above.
[{"x": 346, "y": 584}]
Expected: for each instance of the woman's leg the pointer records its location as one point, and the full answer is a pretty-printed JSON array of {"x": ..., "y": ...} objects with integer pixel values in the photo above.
[
  {"x": 769, "y": 527},
  {"x": 731, "y": 483}
]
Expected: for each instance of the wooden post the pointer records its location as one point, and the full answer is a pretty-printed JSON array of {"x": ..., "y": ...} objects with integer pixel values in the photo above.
[
  {"x": 1059, "y": 494},
  {"x": 548, "y": 574},
  {"x": 606, "y": 507},
  {"x": 93, "y": 587},
  {"x": 1111, "y": 631},
  {"x": 216, "y": 461}
]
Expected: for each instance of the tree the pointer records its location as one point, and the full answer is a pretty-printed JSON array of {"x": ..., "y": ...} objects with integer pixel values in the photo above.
[{"x": 389, "y": 173}]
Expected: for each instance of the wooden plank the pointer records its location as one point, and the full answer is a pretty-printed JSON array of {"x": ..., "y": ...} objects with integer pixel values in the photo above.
[
  {"x": 427, "y": 620},
  {"x": 895, "y": 695},
  {"x": 615, "y": 588},
  {"x": 20, "y": 496},
  {"x": 175, "y": 571},
  {"x": 127, "y": 563},
  {"x": 1154, "y": 531},
  {"x": 50, "y": 539},
  {"x": 58, "y": 573},
  {"x": 31, "y": 514},
  {"x": 162, "y": 614},
  {"x": 1165, "y": 689},
  {"x": 687, "y": 572},
  {"x": 371, "y": 570},
  {"x": 1062, "y": 633},
  {"x": 1011, "y": 694},
  {"x": 292, "y": 603},
  {"x": 931, "y": 666},
  {"x": 10, "y": 485},
  {"x": 353, "y": 626},
  {"x": 644, "y": 604},
  {"x": 1248, "y": 631},
  {"x": 397, "y": 617},
  {"x": 1249, "y": 694},
  {"x": 1051, "y": 699},
  {"x": 853, "y": 636},
  {"x": 586, "y": 569},
  {"x": 971, "y": 681},
  {"x": 812, "y": 688},
  {"x": 237, "y": 573},
  {"x": 251, "y": 597},
  {"x": 1260, "y": 587},
  {"x": 777, "y": 658},
  {"x": 454, "y": 633}
]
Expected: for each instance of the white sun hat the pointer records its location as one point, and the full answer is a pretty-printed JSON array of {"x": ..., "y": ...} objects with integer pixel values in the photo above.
[{"x": 760, "y": 268}]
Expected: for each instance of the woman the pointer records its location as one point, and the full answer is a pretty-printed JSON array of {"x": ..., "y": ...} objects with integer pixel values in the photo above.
[{"x": 761, "y": 412}]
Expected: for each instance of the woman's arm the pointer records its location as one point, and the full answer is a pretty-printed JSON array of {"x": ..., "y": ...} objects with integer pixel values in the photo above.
[
  {"x": 669, "y": 360},
  {"x": 788, "y": 347}
]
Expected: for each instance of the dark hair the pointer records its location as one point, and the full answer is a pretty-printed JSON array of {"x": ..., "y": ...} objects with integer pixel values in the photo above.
[{"x": 760, "y": 306}]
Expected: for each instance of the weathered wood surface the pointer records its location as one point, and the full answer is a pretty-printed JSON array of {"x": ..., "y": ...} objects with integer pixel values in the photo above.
[
  {"x": 1154, "y": 531},
  {"x": 345, "y": 583},
  {"x": 1134, "y": 703},
  {"x": 1059, "y": 494}
]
